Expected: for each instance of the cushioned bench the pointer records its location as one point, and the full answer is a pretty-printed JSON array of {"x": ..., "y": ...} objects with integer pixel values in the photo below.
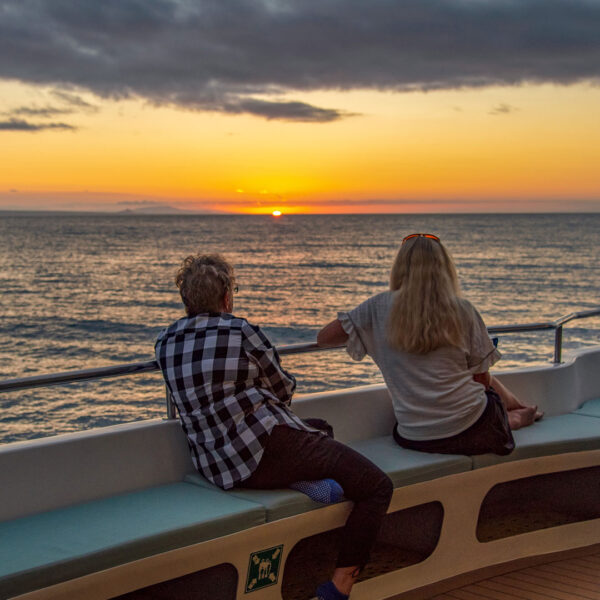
[
  {"x": 573, "y": 432},
  {"x": 591, "y": 408},
  {"x": 404, "y": 467},
  {"x": 47, "y": 548},
  {"x": 278, "y": 504},
  {"x": 65, "y": 543},
  {"x": 552, "y": 435}
]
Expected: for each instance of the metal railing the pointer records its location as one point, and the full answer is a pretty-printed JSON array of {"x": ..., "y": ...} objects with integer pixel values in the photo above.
[{"x": 22, "y": 383}]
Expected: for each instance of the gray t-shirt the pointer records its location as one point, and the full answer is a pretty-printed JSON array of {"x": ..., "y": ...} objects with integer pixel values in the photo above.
[{"x": 434, "y": 394}]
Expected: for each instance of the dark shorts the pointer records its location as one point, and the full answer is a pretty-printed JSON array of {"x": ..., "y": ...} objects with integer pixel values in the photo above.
[{"x": 490, "y": 433}]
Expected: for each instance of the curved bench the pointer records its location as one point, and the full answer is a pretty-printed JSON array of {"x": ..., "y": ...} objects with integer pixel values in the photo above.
[
  {"x": 404, "y": 467},
  {"x": 70, "y": 541},
  {"x": 591, "y": 408},
  {"x": 573, "y": 432},
  {"x": 55, "y": 546}
]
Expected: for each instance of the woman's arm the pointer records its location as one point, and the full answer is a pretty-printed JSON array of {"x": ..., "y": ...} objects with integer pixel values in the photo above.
[{"x": 332, "y": 335}]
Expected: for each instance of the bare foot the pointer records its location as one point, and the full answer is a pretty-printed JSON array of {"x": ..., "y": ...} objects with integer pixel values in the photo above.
[
  {"x": 538, "y": 413},
  {"x": 522, "y": 417}
]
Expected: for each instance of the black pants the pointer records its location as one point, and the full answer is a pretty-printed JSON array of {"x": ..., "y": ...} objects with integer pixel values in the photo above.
[{"x": 292, "y": 455}]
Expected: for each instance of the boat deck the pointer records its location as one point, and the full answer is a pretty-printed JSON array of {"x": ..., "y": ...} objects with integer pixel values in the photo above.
[{"x": 571, "y": 579}]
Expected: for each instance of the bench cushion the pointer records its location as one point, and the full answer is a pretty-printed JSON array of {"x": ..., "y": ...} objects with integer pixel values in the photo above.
[
  {"x": 66, "y": 543},
  {"x": 552, "y": 435},
  {"x": 405, "y": 467},
  {"x": 278, "y": 504},
  {"x": 591, "y": 408}
]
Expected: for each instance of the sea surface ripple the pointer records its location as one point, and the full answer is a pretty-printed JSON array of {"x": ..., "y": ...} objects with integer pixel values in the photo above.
[{"x": 81, "y": 291}]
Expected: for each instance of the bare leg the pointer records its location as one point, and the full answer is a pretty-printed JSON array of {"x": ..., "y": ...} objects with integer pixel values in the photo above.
[{"x": 519, "y": 415}]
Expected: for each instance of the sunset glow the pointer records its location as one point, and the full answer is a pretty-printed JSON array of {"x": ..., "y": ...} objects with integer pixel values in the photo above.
[{"x": 77, "y": 143}]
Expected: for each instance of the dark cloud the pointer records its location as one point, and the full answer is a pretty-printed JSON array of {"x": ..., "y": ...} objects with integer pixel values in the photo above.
[
  {"x": 285, "y": 111},
  {"x": 237, "y": 56},
  {"x": 503, "y": 109},
  {"x": 21, "y": 125},
  {"x": 74, "y": 100},
  {"x": 43, "y": 112}
]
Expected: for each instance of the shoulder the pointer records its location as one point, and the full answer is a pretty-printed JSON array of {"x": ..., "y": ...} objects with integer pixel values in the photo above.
[
  {"x": 201, "y": 322},
  {"x": 250, "y": 331},
  {"x": 382, "y": 299},
  {"x": 468, "y": 310},
  {"x": 377, "y": 304},
  {"x": 465, "y": 304},
  {"x": 173, "y": 329},
  {"x": 474, "y": 324},
  {"x": 243, "y": 324},
  {"x": 230, "y": 321},
  {"x": 371, "y": 310}
]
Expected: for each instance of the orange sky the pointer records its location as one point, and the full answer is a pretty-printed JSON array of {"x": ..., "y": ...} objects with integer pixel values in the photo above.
[{"x": 506, "y": 149}]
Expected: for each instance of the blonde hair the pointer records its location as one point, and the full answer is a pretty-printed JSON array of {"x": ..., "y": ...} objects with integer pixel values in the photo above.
[
  {"x": 427, "y": 311},
  {"x": 203, "y": 280}
]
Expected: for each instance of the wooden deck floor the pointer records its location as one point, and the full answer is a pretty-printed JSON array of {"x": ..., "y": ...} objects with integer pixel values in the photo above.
[{"x": 572, "y": 579}]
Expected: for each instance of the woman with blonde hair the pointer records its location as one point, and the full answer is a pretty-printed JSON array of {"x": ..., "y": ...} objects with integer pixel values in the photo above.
[{"x": 434, "y": 352}]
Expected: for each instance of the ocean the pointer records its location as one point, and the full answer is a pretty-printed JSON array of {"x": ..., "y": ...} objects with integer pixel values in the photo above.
[{"x": 82, "y": 291}]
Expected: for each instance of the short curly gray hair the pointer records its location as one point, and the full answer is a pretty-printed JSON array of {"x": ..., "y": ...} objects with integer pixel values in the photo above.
[{"x": 203, "y": 280}]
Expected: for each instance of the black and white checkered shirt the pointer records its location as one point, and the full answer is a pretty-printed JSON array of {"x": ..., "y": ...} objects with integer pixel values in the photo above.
[{"x": 230, "y": 391}]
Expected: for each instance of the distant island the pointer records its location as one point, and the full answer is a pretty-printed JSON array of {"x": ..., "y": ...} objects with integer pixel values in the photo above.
[
  {"x": 148, "y": 210},
  {"x": 165, "y": 209}
]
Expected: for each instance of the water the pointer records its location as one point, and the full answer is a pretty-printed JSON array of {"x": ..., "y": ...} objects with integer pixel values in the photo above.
[{"x": 81, "y": 291}]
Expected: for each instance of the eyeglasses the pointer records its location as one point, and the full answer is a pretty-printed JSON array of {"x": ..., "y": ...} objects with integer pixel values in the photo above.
[{"x": 429, "y": 236}]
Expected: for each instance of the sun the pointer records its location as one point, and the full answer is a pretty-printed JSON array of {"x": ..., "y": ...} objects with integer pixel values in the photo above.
[{"x": 276, "y": 213}]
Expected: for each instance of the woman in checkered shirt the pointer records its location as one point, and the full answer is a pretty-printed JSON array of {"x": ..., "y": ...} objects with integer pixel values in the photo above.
[{"x": 233, "y": 398}]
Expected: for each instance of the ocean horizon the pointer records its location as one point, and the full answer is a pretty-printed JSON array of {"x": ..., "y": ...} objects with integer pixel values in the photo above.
[{"x": 82, "y": 290}]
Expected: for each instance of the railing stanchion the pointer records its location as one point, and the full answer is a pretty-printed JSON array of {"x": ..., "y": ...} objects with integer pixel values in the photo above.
[{"x": 558, "y": 333}]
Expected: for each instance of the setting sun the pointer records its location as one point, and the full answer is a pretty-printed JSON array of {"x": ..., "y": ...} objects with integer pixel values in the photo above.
[{"x": 276, "y": 213}]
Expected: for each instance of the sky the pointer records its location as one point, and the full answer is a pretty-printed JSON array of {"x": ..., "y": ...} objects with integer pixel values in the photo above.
[{"x": 322, "y": 106}]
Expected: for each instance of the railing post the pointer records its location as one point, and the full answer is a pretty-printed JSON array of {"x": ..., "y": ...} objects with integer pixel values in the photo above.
[
  {"x": 558, "y": 332},
  {"x": 171, "y": 413}
]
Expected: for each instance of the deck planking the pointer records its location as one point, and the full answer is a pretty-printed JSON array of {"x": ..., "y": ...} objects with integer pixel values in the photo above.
[{"x": 572, "y": 579}]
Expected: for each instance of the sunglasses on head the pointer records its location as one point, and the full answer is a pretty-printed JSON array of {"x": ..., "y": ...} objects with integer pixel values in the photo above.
[{"x": 429, "y": 236}]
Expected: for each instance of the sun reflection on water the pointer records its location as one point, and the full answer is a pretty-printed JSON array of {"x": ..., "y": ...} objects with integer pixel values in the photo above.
[{"x": 81, "y": 291}]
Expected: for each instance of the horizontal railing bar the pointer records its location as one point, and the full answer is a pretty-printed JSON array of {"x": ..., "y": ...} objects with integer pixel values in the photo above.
[
  {"x": 21, "y": 383},
  {"x": 582, "y": 314},
  {"x": 83, "y": 375},
  {"x": 303, "y": 348},
  {"x": 521, "y": 327}
]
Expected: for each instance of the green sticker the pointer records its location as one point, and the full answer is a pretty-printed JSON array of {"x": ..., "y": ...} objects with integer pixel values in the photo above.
[{"x": 263, "y": 569}]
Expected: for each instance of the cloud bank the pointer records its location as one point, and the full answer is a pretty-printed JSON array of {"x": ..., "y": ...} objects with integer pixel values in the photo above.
[
  {"x": 22, "y": 125},
  {"x": 237, "y": 56}
]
